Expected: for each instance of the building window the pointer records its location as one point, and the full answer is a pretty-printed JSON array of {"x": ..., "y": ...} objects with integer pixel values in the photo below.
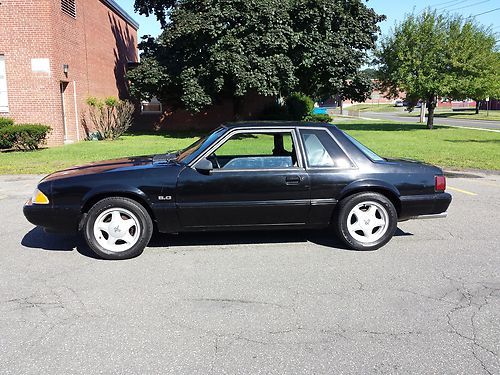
[
  {"x": 69, "y": 7},
  {"x": 4, "y": 104},
  {"x": 153, "y": 106}
]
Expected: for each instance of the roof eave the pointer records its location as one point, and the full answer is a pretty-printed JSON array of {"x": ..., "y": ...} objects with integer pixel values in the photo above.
[{"x": 122, "y": 13}]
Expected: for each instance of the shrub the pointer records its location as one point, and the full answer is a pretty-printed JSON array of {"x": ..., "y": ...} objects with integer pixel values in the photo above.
[
  {"x": 23, "y": 137},
  {"x": 299, "y": 106},
  {"x": 5, "y": 138},
  {"x": 5, "y": 121},
  {"x": 110, "y": 117},
  {"x": 323, "y": 117}
]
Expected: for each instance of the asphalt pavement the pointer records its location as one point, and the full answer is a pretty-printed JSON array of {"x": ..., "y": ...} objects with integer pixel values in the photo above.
[
  {"x": 405, "y": 117},
  {"x": 250, "y": 303}
]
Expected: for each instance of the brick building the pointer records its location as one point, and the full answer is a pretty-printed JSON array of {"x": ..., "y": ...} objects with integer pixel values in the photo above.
[{"x": 56, "y": 53}]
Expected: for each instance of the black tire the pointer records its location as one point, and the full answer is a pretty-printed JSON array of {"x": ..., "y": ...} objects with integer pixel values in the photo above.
[
  {"x": 342, "y": 214},
  {"x": 144, "y": 227}
]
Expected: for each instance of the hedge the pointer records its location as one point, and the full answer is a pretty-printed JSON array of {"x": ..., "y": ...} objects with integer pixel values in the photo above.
[
  {"x": 24, "y": 136},
  {"x": 5, "y": 121},
  {"x": 318, "y": 117}
]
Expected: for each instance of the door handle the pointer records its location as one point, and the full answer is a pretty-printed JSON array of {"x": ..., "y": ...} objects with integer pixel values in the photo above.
[{"x": 292, "y": 180}]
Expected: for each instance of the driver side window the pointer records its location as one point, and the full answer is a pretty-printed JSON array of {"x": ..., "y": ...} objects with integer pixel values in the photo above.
[{"x": 256, "y": 150}]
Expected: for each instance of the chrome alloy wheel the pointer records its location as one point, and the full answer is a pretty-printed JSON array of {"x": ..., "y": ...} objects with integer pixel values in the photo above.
[
  {"x": 367, "y": 222},
  {"x": 117, "y": 229}
]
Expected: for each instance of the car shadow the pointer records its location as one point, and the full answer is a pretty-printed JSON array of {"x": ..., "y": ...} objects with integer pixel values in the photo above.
[
  {"x": 37, "y": 238},
  {"x": 246, "y": 238}
]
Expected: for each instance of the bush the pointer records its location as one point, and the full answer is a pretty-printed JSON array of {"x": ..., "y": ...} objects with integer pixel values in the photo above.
[
  {"x": 23, "y": 137},
  {"x": 299, "y": 106},
  {"x": 110, "y": 117},
  {"x": 5, "y": 121},
  {"x": 323, "y": 117},
  {"x": 5, "y": 138}
]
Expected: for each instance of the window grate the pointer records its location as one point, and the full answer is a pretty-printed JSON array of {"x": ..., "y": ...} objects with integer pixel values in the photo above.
[{"x": 69, "y": 7}]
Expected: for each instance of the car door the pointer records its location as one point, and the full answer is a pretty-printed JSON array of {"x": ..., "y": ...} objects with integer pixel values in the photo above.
[
  {"x": 250, "y": 186},
  {"x": 329, "y": 169}
]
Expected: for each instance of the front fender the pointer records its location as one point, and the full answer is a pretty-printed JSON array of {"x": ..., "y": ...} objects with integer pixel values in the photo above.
[{"x": 114, "y": 189}]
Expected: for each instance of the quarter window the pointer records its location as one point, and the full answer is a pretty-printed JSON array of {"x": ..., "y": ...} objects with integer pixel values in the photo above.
[
  {"x": 4, "y": 103},
  {"x": 322, "y": 151}
]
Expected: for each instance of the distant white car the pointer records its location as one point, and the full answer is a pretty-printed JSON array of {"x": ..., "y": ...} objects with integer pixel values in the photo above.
[{"x": 398, "y": 103}]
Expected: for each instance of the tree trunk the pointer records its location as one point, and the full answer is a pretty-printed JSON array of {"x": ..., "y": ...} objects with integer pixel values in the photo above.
[
  {"x": 431, "y": 105},
  {"x": 478, "y": 104}
]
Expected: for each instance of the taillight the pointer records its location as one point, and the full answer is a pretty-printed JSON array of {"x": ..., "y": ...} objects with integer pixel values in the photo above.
[{"x": 439, "y": 183}]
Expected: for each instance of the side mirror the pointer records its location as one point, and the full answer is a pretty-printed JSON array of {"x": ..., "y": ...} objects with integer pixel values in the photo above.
[{"x": 204, "y": 166}]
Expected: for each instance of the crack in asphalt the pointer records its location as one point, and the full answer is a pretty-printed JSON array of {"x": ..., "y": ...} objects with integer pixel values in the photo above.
[
  {"x": 469, "y": 295},
  {"x": 466, "y": 300},
  {"x": 238, "y": 301}
]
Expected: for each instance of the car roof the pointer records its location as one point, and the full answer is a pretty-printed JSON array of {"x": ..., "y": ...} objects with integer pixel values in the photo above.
[{"x": 271, "y": 124}]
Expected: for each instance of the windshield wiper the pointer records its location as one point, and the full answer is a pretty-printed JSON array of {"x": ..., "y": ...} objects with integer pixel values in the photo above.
[{"x": 167, "y": 157}]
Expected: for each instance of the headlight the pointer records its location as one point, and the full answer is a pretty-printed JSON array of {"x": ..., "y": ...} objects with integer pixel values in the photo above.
[{"x": 39, "y": 197}]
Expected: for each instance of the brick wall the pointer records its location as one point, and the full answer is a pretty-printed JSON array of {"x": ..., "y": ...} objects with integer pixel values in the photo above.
[
  {"x": 251, "y": 108},
  {"x": 96, "y": 46}
]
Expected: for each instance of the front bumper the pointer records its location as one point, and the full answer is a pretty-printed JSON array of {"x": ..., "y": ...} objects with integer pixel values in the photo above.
[
  {"x": 413, "y": 206},
  {"x": 52, "y": 219}
]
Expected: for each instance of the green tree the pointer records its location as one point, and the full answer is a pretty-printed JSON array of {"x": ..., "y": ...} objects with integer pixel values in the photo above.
[
  {"x": 479, "y": 71},
  {"x": 157, "y": 7},
  {"x": 432, "y": 55},
  {"x": 212, "y": 50}
]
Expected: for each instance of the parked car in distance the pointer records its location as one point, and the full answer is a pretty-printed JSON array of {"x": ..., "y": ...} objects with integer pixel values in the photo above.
[
  {"x": 275, "y": 175},
  {"x": 399, "y": 103}
]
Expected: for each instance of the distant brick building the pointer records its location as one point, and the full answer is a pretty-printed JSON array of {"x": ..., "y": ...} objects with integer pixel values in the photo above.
[{"x": 56, "y": 53}]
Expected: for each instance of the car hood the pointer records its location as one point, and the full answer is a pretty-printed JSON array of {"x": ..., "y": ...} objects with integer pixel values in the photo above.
[{"x": 104, "y": 166}]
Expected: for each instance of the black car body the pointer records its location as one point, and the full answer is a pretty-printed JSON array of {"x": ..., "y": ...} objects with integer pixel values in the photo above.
[{"x": 201, "y": 188}]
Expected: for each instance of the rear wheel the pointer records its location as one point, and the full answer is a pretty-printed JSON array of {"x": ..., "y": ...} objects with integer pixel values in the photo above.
[
  {"x": 117, "y": 228},
  {"x": 366, "y": 221}
]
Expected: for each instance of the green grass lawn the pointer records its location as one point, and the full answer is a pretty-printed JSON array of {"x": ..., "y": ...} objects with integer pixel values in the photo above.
[
  {"x": 373, "y": 108},
  {"x": 443, "y": 113},
  {"x": 51, "y": 159},
  {"x": 465, "y": 114},
  {"x": 443, "y": 146},
  {"x": 446, "y": 147}
]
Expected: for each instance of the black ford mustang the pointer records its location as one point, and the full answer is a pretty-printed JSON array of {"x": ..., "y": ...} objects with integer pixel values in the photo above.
[{"x": 241, "y": 176}]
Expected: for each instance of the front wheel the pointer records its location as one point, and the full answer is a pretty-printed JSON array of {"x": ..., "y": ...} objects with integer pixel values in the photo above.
[
  {"x": 117, "y": 228},
  {"x": 366, "y": 221}
]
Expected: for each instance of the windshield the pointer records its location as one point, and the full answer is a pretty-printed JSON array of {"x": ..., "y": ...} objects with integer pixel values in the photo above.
[
  {"x": 189, "y": 153},
  {"x": 365, "y": 150}
]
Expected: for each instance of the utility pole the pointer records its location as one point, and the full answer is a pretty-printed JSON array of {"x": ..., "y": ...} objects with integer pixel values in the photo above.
[{"x": 487, "y": 106}]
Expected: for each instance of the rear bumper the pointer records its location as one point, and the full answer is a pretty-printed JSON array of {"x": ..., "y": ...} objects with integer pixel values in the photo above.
[
  {"x": 53, "y": 219},
  {"x": 422, "y": 206}
]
